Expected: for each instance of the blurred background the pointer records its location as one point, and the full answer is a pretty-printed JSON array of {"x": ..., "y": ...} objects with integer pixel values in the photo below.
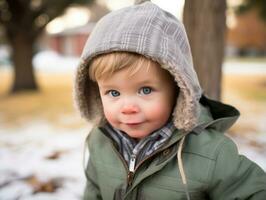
[{"x": 41, "y": 133}]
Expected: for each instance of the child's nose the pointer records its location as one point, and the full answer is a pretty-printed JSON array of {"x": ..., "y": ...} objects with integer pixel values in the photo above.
[{"x": 130, "y": 109}]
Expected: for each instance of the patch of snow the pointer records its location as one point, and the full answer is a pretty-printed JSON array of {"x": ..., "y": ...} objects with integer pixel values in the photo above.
[
  {"x": 51, "y": 196},
  {"x": 237, "y": 67},
  {"x": 50, "y": 61},
  {"x": 253, "y": 147},
  {"x": 25, "y": 152},
  {"x": 15, "y": 190}
]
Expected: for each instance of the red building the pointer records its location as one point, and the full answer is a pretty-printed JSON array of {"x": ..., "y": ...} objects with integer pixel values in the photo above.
[
  {"x": 70, "y": 42},
  {"x": 248, "y": 34}
]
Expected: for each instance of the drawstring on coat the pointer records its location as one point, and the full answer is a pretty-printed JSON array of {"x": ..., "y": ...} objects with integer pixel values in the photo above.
[
  {"x": 181, "y": 167},
  {"x": 85, "y": 156}
]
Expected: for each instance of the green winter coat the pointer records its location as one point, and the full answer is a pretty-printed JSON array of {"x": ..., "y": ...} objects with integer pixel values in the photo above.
[{"x": 213, "y": 167}]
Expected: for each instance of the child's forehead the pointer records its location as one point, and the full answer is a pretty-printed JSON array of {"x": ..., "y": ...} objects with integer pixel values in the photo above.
[
  {"x": 118, "y": 65},
  {"x": 143, "y": 75}
]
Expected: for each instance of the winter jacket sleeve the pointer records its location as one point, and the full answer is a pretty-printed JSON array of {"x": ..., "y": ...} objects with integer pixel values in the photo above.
[
  {"x": 91, "y": 190},
  {"x": 236, "y": 177}
]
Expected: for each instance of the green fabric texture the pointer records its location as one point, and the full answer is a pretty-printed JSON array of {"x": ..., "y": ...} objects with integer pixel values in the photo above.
[{"x": 212, "y": 165}]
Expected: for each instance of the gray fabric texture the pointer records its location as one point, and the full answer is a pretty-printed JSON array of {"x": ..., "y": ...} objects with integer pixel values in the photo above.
[{"x": 148, "y": 30}]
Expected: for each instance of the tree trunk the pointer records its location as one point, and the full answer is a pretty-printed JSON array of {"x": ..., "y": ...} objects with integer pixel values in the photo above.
[
  {"x": 205, "y": 25},
  {"x": 22, "y": 55}
]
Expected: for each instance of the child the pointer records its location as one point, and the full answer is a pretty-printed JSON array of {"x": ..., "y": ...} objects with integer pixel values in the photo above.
[{"x": 156, "y": 136}]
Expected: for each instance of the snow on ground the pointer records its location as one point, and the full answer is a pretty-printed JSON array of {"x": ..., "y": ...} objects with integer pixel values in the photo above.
[
  {"x": 236, "y": 67},
  {"x": 40, "y": 151},
  {"x": 253, "y": 147},
  {"x": 49, "y": 61}
]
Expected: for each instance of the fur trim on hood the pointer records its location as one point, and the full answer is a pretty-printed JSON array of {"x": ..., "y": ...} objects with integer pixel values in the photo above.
[{"x": 148, "y": 30}]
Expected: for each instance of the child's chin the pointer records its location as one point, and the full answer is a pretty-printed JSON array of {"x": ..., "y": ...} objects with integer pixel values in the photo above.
[{"x": 137, "y": 134}]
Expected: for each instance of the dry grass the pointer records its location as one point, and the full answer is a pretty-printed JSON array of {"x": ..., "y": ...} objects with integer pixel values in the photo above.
[
  {"x": 249, "y": 87},
  {"x": 248, "y": 94},
  {"x": 54, "y": 101}
]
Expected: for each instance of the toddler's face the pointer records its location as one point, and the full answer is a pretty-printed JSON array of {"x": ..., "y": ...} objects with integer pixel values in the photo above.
[{"x": 138, "y": 104}]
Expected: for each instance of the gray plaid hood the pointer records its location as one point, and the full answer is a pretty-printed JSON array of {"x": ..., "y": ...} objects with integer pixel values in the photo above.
[{"x": 146, "y": 29}]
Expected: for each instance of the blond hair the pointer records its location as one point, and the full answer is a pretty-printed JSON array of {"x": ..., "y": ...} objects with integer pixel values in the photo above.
[{"x": 105, "y": 65}]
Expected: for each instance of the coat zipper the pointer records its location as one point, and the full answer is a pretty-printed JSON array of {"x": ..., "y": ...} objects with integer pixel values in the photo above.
[
  {"x": 132, "y": 165},
  {"x": 129, "y": 173}
]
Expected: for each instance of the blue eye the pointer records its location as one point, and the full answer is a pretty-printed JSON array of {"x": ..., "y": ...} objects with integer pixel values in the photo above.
[
  {"x": 113, "y": 93},
  {"x": 145, "y": 90}
]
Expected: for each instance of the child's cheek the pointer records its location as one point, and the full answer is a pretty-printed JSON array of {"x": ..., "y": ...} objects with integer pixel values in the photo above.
[
  {"x": 108, "y": 109},
  {"x": 110, "y": 116},
  {"x": 158, "y": 112}
]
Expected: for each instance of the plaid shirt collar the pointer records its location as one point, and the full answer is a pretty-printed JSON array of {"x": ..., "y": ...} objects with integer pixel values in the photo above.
[{"x": 129, "y": 147}]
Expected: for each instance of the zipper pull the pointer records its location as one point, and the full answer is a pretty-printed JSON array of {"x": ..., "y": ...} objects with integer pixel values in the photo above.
[{"x": 132, "y": 163}]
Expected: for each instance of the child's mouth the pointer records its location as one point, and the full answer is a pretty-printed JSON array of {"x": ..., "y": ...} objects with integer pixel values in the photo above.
[{"x": 133, "y": 124}]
